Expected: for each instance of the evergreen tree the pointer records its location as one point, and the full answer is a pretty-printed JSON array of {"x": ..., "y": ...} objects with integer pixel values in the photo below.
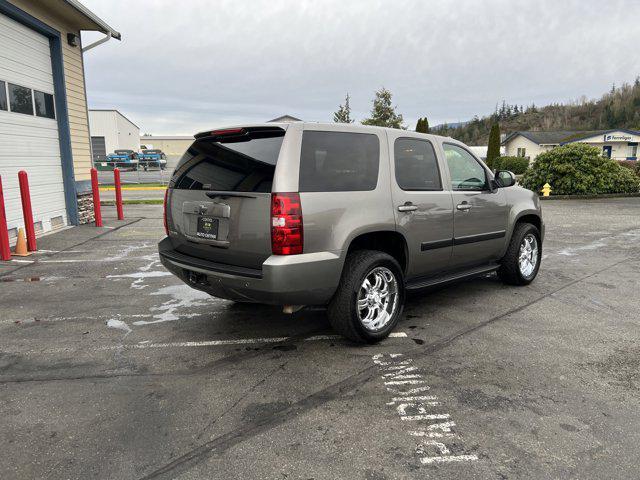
[
  {"x": 493, "y": 149},
  {"x": 423, "y": 125},
  {"x": 383, "y": 113},
  {"x": 343, "y": 115}
]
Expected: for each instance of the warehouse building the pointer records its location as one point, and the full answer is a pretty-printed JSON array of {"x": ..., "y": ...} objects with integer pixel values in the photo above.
[
  {"x": 110, "y": 131},
  {"x": 43, "y": 109},
  {"x": 619, "y": 144},
  {"x": 171, "y": 145}
]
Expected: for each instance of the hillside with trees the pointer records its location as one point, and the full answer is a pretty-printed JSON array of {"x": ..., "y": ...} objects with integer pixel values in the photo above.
[{"x": 619, "y": 108}]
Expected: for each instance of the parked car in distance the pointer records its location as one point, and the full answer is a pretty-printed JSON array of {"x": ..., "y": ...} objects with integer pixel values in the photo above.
[
  {"x": 345, "y": 216},
  {"x": 124, "y": 159},
  {"x": 152, "y": 158}
]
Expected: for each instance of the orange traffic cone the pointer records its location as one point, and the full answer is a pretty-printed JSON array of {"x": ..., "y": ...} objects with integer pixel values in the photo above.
[{"x": 21, "y": 245}]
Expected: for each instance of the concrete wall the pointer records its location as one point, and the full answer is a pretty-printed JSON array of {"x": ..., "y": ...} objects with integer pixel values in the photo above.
[{"x": 74, "y": 78}]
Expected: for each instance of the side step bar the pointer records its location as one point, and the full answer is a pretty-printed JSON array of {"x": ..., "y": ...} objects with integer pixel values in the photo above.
[{"x": 420, "y": 283}]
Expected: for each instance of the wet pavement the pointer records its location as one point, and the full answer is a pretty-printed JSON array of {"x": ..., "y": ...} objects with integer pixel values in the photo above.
[{"x": 112, "y": 368}]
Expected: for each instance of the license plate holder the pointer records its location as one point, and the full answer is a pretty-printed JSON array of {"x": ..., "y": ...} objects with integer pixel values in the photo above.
[{"x": 207, "y": 227}]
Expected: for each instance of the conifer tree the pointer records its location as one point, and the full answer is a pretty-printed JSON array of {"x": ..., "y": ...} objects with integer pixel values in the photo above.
[
  {"x": 383, "y": 113},
  {"x": 343, "y": 115},
  {"x": 493, "y": 149}
]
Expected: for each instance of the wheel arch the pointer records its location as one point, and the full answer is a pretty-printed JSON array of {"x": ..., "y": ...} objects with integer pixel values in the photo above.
[{"x": 391, "y": 242}]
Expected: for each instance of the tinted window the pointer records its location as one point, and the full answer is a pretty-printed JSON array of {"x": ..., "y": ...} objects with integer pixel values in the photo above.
[
  {"x": 44, "y": 104},
  {"x": 339, "y": 162},
  {"x": 416, "y": 165},
  {"x": 243, "y": 164},
  {"x": 3, "y": 96},
  {"x": 20, "y": 100},
  {"x": 466, "y": 172}
]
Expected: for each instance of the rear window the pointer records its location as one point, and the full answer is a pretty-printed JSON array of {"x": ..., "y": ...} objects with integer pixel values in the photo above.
[
  {"x": 238, "y": 164},
  {"x": 339, "y": 161}
]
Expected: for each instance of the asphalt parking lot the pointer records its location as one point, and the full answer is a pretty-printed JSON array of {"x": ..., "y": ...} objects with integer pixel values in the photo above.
[{"x": 111, "y": 368}]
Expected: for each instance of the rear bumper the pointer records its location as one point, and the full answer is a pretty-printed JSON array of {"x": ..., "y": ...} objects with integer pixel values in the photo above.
[{"x": 306, "y": 279}]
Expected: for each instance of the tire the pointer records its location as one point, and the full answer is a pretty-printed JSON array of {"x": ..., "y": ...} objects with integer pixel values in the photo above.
[
  {"x": 343, "y": 311},
  {"x": 510, "y": 271}
]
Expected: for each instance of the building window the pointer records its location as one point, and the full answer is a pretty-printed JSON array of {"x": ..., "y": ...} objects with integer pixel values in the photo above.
[
  {"x": 3, "y": 95},
  {"x": 44, "y": 104},
  {"x": 20, "y": 99},
  {"x": 522, "y": 152},
  {"x": 633, "y": 150}
]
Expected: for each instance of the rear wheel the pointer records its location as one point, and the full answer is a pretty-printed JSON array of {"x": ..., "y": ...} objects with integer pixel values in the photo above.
[
  {"x": 370, "y": 297},
  {"x": 521, "y": 263}
]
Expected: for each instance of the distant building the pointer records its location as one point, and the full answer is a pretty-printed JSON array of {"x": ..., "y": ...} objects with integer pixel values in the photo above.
[
  {"x": 481, "y": 151},
  {"x": 619, "y": 144},
  {"x": 171, "y": 145},
  {"x": 110, "y": 130},
  {"x": 285, "y": 118}
]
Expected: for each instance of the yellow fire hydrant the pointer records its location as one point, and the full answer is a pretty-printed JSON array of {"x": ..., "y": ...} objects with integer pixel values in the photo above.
[{"x": 546, "y": 190}]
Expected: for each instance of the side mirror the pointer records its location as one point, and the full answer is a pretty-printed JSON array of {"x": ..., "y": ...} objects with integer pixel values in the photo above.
[{"x": 505, "y": 178}]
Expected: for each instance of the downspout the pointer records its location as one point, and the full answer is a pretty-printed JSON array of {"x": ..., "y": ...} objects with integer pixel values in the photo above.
[{"x": 98, "y": 42}]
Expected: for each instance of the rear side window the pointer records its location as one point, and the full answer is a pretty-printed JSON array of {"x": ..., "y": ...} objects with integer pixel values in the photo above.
[
  {"x": 244, "y": 163},
  {"x": 416, "y": 165},
  {"x": 339, "y": 162}
]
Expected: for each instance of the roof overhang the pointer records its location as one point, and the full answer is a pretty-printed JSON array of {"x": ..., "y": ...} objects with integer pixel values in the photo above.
[{"x": 87, "y": 20}]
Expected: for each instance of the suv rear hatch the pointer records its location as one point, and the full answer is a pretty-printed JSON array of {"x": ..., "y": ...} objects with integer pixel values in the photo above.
[{"x": 219, "y": 198}]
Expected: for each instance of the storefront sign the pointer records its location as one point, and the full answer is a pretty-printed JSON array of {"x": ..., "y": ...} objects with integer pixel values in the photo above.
[{"x": 617, "y": 137}]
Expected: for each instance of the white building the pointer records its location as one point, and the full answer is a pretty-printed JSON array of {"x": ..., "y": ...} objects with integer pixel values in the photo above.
[
  {"x": 480, "y": 151},
  {"x": 43, "y": 110},
  {"x": 621, "y": 144},
  {"x": 110, "y": 130}
]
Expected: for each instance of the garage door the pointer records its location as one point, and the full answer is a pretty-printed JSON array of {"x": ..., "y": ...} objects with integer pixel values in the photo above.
[{"x": 28, "y": 128}]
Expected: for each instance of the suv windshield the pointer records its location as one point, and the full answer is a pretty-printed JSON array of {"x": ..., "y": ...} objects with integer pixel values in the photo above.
[{"x": 240, "y": 163}]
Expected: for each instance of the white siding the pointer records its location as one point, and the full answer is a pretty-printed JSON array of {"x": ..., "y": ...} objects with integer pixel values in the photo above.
[{"x": 29, "y": 142}]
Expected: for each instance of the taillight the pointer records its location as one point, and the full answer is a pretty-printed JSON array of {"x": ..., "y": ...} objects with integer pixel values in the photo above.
[
  {"x": 286, "y": 224},
  {"x": 164, "y": 212}
]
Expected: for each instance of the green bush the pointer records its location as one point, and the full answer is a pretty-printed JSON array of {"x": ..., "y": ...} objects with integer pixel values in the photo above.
[
  {"x": 517, "y": 165},
  {"x": 633, "y": 165},
  {"x": 579, "y": 169}
]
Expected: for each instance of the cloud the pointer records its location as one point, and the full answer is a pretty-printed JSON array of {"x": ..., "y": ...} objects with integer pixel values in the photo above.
[{"x": 192, "y": 65}]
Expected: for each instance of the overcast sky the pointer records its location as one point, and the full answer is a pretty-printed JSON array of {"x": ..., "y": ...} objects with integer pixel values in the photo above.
[{"x": 185, "y": 66}]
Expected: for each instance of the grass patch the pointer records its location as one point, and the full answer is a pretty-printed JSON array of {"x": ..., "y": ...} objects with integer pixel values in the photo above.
[
  {"x": 141, "y": 201},
  {"x": 134, "y": 185}
]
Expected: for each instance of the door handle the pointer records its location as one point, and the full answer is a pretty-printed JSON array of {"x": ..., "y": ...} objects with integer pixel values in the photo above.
[
  {"x": 464, "y": 207},
  {"x": 407, "y": 207}
]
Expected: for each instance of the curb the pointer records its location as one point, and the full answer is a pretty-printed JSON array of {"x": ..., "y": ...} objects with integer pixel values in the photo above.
[{"x": 590, "y": 197}]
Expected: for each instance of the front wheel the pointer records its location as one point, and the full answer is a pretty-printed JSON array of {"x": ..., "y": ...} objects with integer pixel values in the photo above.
[
  {"x": 521, "y": 263},
  {"x": 370, "y": 297}
]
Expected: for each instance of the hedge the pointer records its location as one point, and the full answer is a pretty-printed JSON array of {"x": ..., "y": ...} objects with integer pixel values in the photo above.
[
  {"x": 517, "y": 165},
  {"x": 579, "y": 169}
]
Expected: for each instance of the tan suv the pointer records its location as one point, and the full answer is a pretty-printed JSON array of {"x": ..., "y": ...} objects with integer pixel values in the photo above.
[{"x": 346, "y": 216}]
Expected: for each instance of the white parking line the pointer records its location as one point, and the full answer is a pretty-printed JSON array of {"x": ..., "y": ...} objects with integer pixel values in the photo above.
[
  {"x": 236, "y": 341},
  {"x": 205, "y": 343}
]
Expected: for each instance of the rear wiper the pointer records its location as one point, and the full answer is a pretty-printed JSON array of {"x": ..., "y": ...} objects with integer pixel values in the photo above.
[{"x": 214, "y": 194}]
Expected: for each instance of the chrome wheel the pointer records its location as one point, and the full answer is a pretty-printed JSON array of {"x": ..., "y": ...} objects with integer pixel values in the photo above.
[
  {"x": 528, "y": 255},
  {"x": 377, "y": 299}
]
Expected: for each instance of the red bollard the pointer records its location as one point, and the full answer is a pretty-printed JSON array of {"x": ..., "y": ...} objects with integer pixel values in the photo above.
[
  {"x": 27, "y": 213},
  {"x": 96, "y": 197},
  {"x": 5, "y": 249},
  {"x": 116, "y": 182}
]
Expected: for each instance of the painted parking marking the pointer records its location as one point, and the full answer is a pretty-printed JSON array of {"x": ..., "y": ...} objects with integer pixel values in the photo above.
[{"x": 434, "y": 427}]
